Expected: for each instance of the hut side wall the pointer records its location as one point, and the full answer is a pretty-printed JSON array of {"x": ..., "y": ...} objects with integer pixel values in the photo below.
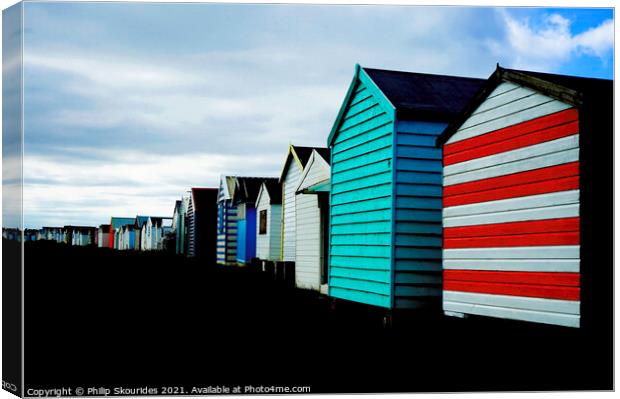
[
  {"x": 511, "y": 210},
  {"x": 417, "y": 253}
]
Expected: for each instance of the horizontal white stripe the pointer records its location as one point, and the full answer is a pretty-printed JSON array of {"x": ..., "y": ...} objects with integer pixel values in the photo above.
[
  {"x": 515, "y": 302},
  {"x": 508, "y": 94},
  {"x": 502, "y": 88},
  {"x": 546, "y": 252},
  {"x": 541, "y": 161},
  {"x": 507, "y": 108},
  {"x": 513, "y": 204},
  {"x": 509, "y": 120},
  {"x": 514, "y": 265},
  {"x": 551, "y": 212},
  {"x": 561, "y": 319},
  {"x": 548, "y": 147}
]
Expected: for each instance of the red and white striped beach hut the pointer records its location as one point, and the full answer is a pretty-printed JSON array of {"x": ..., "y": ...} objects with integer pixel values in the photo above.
[{"x": 527, "y": 200}]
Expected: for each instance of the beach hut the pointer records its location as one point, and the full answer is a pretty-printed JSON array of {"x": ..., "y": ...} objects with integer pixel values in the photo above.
[
  {"x": 385, "y": 200},
  {"x": 139, "y": 223},
  {"x": 30, "y": 234},
  {"x": 83, "y": 235},
  {"x": 226, "y": 222},
  {"x": 244, "y": 199},
  {"x": 527, "y": 196},
  {"x": 156, "y": 228},
  {"x": 103, "y": 232},
  {"x": 115, "y": 223},
  {"x": 181, "y": 229},
  {"x": 294, "y": 163},
  {"x": 201, "y": 217},
  {"x": 269, "y": 220},
  {"x": 311, "y": 215},
  {"x": 49, "y": 233},
  {"x": 128, "y": 233}
]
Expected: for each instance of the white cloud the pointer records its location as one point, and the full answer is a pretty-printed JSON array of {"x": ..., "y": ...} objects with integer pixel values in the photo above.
[
  {"x": 89, "y": 193},
  {"x": 551, "y": 44}
]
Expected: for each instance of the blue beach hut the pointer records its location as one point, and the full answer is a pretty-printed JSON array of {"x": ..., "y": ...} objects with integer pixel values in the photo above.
[{"x": 386, "y": 176}]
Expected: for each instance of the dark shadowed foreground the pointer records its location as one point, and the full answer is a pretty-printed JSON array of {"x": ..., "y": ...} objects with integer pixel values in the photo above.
[{"x": 98, "y": 317}]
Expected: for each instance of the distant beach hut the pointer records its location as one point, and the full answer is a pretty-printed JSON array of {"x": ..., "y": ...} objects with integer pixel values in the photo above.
[
  {"x": 296, "y": 159},
  {"x": 226, "y": 222},
  {"x": 244, "y": 199},
  {"x": 115, "y": 223},
  {"x": 269, "y": 220},
  {"x": 103, "y": 232},
  {"x": 312, "y": 222}
]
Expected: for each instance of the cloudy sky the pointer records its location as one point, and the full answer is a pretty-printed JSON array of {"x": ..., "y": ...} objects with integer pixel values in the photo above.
[{"x": 129, "y": 105}]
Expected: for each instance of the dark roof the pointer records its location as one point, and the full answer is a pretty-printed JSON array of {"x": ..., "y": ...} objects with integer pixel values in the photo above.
[
  {"x": 303, "y": 153},
  {"x": 570, "y": 89},
  {"x": 104, "y": 226},
  {"x": 425, "y": 95},
  {"x": 324, "y": 153},
  {"x": 274, "y": 189},
  {"x": 141, "y": 221},
  {"x": 202, "y": 196},
  {"x": 247, "y": 188}
]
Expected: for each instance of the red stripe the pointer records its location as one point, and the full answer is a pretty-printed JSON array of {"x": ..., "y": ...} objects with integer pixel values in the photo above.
[
  {"x": 536, "y": 278},
  {"x": 535, "y": 291},
  {"x": 530, "y": 176},
  {"x": 500, "y": 229},
  {"x": 524, "y": 240},
  {"x": 526, "y": 140},
  {"x": 549, "y": 186},
  {"x": 533, "y": 125}
]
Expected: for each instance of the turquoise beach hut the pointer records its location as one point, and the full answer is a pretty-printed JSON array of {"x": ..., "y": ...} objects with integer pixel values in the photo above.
[{"x": 386, "y": 176}]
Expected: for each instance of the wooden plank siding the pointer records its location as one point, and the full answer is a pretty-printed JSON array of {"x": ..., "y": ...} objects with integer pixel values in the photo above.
[
  {"x": 227, "y": 233},
  {"x": 289, "y": 185},
  {"x": 309, "y": 226},
  {"x": 511, "y": 216},
  {"x": 417, "y": 235},
  {"x": 361, "y": 202}
]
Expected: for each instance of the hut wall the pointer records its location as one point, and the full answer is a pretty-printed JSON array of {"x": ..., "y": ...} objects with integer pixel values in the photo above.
[{"x": 512, "y": 210}]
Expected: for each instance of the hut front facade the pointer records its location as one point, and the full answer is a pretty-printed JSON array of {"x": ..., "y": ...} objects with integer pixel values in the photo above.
[
  {"x": 520, "y": 167},
  {"x": 385, "y": 200},
  {"x": 226, "y": 222},
  {"x": 103, "y": 239},
  {"x": 269, "y": 220},
  {"x": 311, "y": 215}
]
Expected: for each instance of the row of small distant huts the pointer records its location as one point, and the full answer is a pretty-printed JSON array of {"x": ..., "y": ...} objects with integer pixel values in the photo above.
[{"x": 477, "y": 197}]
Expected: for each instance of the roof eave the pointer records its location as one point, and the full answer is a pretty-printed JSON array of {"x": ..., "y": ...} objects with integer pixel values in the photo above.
[{"x": 373, "y": 88}]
